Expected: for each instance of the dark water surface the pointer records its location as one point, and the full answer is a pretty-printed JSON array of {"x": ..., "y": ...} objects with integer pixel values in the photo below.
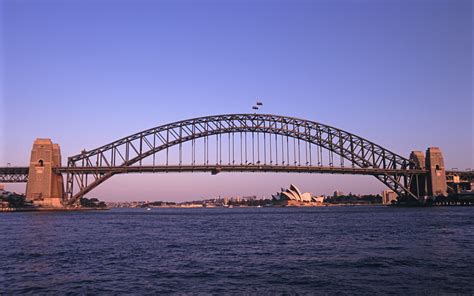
[{"x": 349, "y": 250}]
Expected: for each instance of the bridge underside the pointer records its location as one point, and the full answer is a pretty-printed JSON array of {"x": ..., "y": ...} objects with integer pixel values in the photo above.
[
  {"x": 236, "y": 168},
  {"x": 85, "y": 174},
  {"x": 13, "y": 174},
  {"x": 455, "y": 179}
]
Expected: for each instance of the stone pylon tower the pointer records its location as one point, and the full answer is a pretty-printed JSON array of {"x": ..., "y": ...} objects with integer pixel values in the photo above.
[
  {"x": 45, "y": 188},
  {"x": 437, "y": 185},
  {"x": 418, "y": 184}
]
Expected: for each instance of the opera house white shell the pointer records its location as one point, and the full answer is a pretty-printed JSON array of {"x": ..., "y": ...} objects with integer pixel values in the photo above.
[{"x": 293, "y": 193}]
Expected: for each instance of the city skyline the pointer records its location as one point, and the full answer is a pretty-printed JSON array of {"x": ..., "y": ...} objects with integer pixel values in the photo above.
[{"x": 404, "y": 85}]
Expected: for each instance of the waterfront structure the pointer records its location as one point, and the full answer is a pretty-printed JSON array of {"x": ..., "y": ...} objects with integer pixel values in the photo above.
[
  {"x": 437, "y": 185},
  {"x": 293, "y": 193},
  {"x": 4, "y": 193},
  {"x": 254, "y": 143},
  {"x": 388, "y": 197},
  {"x": 319, "y": 199},
  {"x": 434, "y": 183},
  {"x": 45, "y": 186}
]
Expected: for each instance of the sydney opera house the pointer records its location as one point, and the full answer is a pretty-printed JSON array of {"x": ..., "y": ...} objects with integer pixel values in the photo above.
[{"x": 293, "y": 194}]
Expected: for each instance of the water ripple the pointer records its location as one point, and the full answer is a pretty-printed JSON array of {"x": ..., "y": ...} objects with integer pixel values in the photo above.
[{"x": 353, "y": 250}]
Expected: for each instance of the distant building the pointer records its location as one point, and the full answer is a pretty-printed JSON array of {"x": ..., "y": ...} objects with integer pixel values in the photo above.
[
  {"x": 338, "y": 193},
  {"x": 4, "y": 204},
  {"x": 319, "y": 198},
  {"x": 4, "y": 193},
  {"x": 388, "y": 196},
  {"x": 252, "y": 197},
  {"x": 293, "y": 193}
]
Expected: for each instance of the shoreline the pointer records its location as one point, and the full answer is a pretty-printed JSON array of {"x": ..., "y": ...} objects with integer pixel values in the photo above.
[
  {"x": 236, "y": 207},
  {"x": 13, "y": 210}
]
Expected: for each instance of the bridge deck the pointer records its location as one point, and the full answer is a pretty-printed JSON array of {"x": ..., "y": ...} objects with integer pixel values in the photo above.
[
  {"x": 20, "y": 174},
  {"x": 13, "y": 174},
  {"x": 236, "y": 168}
]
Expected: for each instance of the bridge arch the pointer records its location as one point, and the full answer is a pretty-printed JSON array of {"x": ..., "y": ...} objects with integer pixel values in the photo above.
[{"x": 105, "y": 161}]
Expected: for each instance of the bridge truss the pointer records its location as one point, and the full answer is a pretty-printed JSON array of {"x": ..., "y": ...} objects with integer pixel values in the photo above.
[
  {"x": 240, "y": 142},
  {"x": 13, "y": 174}
]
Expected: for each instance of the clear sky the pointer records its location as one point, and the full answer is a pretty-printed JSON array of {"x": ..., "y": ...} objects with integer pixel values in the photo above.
[{"x": 88, "y": 72}]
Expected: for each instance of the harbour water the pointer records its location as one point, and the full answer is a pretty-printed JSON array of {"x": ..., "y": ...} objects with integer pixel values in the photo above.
[{"x": 330, "y": 250}]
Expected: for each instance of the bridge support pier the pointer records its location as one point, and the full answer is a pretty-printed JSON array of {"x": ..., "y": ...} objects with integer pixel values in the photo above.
[
  {"x": 45, "y": 187},
  {"x": 437, "y": 185},
  {"x": 418, "y": 183},
  {"x": 434, "y": 183}
]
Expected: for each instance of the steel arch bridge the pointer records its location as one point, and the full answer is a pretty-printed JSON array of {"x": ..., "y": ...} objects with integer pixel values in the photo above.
[{"x": 240, "y": 143}]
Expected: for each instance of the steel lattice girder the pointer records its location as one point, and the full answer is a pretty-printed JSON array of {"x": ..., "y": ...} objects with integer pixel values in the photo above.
[
  {"x": 130, "y": 150},
  {"x": 13, "y": 174},
  {"x": 234, "y": 168},
  {"x": 13, "y": 178}
]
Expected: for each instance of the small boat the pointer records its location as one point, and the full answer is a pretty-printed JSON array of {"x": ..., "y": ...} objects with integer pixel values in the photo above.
[{"x": 148, "y": 209}]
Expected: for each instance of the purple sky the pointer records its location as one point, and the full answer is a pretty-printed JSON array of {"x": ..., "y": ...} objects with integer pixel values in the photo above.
[{"x": 86, "y": 73}]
